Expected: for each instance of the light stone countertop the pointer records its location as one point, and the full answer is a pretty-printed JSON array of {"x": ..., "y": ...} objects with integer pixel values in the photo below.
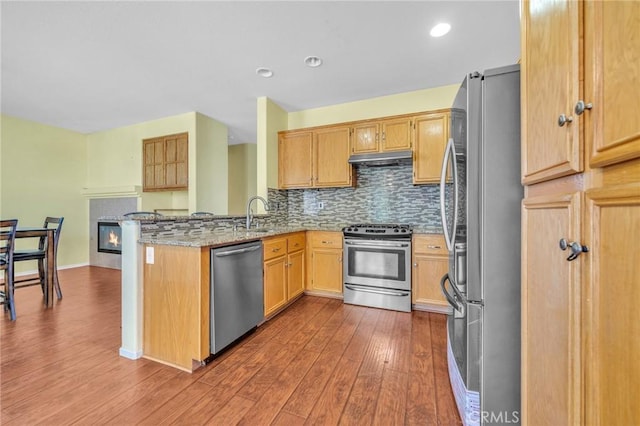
[{"x": 222, "y": 238}]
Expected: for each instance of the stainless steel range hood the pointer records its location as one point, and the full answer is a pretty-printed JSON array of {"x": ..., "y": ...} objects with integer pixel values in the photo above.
[{"x": 392, "y": 158}]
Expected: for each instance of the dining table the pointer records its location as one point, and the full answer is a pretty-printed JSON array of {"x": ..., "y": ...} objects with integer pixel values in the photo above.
[{"x": 50, "y": 257}]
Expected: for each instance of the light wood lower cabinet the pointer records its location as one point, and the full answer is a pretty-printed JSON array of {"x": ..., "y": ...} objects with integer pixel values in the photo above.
[
  {"x": 430, "y": 263},
  {"x": 611, "y": 330},
  {"x": 551, "y": 359},
  {"x": 176, "y": 306},
  {"x": 325, "y": 263},
  {"x": 284, "y": 270}
]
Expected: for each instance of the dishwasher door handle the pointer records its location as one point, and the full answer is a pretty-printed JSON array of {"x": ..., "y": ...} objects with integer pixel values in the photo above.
[{"x": 238, "y": 251}]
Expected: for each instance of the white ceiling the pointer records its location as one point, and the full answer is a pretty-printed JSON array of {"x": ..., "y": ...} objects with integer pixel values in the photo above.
[{"x": 91, "y": 66}]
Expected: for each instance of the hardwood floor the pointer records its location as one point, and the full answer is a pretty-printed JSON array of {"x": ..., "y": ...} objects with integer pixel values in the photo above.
[{"x": 319, "y": 362}]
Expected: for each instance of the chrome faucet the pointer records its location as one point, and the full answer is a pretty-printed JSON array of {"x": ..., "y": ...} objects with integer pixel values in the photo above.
[{"x": 250, "y": 213}]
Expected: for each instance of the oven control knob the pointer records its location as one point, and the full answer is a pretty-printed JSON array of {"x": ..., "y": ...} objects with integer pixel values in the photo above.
[
  {"x": 355, "y": 229},
  {"x": 404, "y": 230},
  {"x": 396, "y": 230}
]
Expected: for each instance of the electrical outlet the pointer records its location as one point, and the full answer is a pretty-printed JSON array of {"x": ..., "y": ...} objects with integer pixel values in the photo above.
[{"x": 320, "y": 205}]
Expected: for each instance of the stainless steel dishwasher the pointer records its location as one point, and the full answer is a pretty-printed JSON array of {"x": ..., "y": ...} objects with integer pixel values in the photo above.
[{"x": 237, "y": 303}]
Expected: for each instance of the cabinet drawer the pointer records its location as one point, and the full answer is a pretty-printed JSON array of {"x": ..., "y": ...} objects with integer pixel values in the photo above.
[
  {"x": 274, "y": 247},
  {"x": 319, "y": 239},
  {"x": 295, "y": 242},
  {"x": 429, "y": 244}
]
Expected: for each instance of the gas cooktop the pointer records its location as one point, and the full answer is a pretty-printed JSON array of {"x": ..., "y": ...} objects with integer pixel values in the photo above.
[{"x": 377, "y": 230}]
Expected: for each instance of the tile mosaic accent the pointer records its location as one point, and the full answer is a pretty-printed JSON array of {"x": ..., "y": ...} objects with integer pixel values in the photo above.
[{"x": 383, "y": 195}]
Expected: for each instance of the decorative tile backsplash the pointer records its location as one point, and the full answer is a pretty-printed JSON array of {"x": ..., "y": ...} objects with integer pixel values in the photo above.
[{"x": 383, "y": 195}]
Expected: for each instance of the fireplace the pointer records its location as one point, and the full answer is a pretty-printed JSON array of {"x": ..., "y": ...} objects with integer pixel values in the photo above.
[{"x": 109, "y": 237}]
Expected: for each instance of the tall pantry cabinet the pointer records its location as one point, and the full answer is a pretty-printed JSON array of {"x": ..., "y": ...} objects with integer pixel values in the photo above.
[{"x": 581, "y": 170}]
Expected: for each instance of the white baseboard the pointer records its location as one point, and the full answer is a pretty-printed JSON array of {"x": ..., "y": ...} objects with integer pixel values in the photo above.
[
  {"x": 60, "y": 268},
  {"x": 126, "y": 353}
]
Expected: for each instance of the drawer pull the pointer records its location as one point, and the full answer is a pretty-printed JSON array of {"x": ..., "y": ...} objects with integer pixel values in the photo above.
[
  {"x": 327, "y": 242},
  {"x": 434, "y": 247},
  {"x": 276, "y": 249}
]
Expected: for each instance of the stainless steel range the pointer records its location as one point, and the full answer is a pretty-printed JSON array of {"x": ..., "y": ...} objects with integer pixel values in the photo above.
[{"x": 377, "y": 266}]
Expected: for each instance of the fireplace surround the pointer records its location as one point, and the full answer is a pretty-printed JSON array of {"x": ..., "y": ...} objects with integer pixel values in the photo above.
[{"x": 109, "y": 237}]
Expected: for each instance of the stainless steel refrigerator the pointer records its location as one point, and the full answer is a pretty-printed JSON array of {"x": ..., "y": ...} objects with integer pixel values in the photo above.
[{"x": 480, "y": 196}]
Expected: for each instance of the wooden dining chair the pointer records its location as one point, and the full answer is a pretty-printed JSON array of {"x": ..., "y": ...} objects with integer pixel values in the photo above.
[
  {"x": 40, "y": 254},
  {"x": 7, "y": 241}
]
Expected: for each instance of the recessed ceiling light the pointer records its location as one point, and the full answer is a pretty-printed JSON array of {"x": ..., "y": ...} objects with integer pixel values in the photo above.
[
  {"x": 313, "y": 61},
  {"x": 440, "y": 29},
  {"x": 264, "y": 72}
]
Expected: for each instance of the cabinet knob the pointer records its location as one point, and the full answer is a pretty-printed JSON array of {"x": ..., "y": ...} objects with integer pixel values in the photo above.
[
  {"x": 581, "y": 106},
  {"x": 563, "y": 119},
  {"x": 415, "y": 265},
  {"x": 576, "y": 248},
  {"x": 339, "y": 259}
]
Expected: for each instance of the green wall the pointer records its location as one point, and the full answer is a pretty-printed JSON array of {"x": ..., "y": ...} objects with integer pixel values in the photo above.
[
  {"x": 42, "y": 173},
  {"x": 242, "y": 176},
  {"x": 401, "y": 103}
]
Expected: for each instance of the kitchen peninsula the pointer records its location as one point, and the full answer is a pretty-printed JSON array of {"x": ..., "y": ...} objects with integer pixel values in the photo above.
[{"x": 166, "y": 284}]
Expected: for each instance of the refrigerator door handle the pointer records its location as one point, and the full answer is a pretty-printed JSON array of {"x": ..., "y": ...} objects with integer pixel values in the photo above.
[
  {"x": 449, "y": 153},
  {"x": 458, "y": 306}
]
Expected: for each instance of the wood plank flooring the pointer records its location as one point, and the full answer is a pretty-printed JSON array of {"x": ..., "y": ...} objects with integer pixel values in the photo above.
[{"x": 319, "y": 362}]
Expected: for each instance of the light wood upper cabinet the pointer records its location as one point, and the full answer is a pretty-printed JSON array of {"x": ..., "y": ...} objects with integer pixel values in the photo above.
[
  {"x": 431, "y": 136},
  {"x": 166, "y": 163},
  {"x": 365, "y": 138},
  {"x": 612, "y": 81},
  {"x": 550, "y": 312},
  {"x": 331, "y": 157},
  {"x": 393, "y": 134},
  {"x": 295, "y": 159},
  {"x": 396, "y": 134},
  {"x": 310, "y": 159},
  {"x": 601, "y": 120},
  {"x": 550, "y": 83}
]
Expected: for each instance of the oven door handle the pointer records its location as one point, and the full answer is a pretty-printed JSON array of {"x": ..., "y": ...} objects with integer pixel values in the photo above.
[
  {"x": 372, "y": 243},
  {"x": 385, "y": 292}
]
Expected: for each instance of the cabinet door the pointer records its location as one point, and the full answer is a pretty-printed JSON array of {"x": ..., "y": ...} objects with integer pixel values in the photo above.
[
  {"x": 154, "y": 170},
  {"x": 295, "y": 274},
  {"x": 331, "y": 157},
  {"x": 550, "y": 312},
  {"x": 431, "y": 135},
  {"x": 612, "y": 295},
  {"x": 275, "y": 284},
  {"x": 550, "y": 82},
  {"x": 295, "y": 169},
  {"x": 427, "y": 272},
  {"x": 612, "y": 82},
  {"x": 396, "y": 134},
  {"x": 176, "y": 161},
  {"x": 326, "y": 270},
  {"x": 365, "y": 138}
]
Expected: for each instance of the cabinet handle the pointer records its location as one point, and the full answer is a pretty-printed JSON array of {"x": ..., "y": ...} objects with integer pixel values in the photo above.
[
  {"x": 576, "y": 248},
  {"x": 275, "y": 249},
  {"x": 384, "y": 136},
  {"x": 415, "y": 265},
  {"x": 327, "y": 242},
  {"x": 339, "y": 259},
  {"x": 563, "y": 119},
  {"x": 434, "y": 247},
  {"x": 581, "y": 106}
]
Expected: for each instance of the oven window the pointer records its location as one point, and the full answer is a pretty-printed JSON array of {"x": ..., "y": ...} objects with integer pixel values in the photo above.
[{"x": 375, "y": 263}]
